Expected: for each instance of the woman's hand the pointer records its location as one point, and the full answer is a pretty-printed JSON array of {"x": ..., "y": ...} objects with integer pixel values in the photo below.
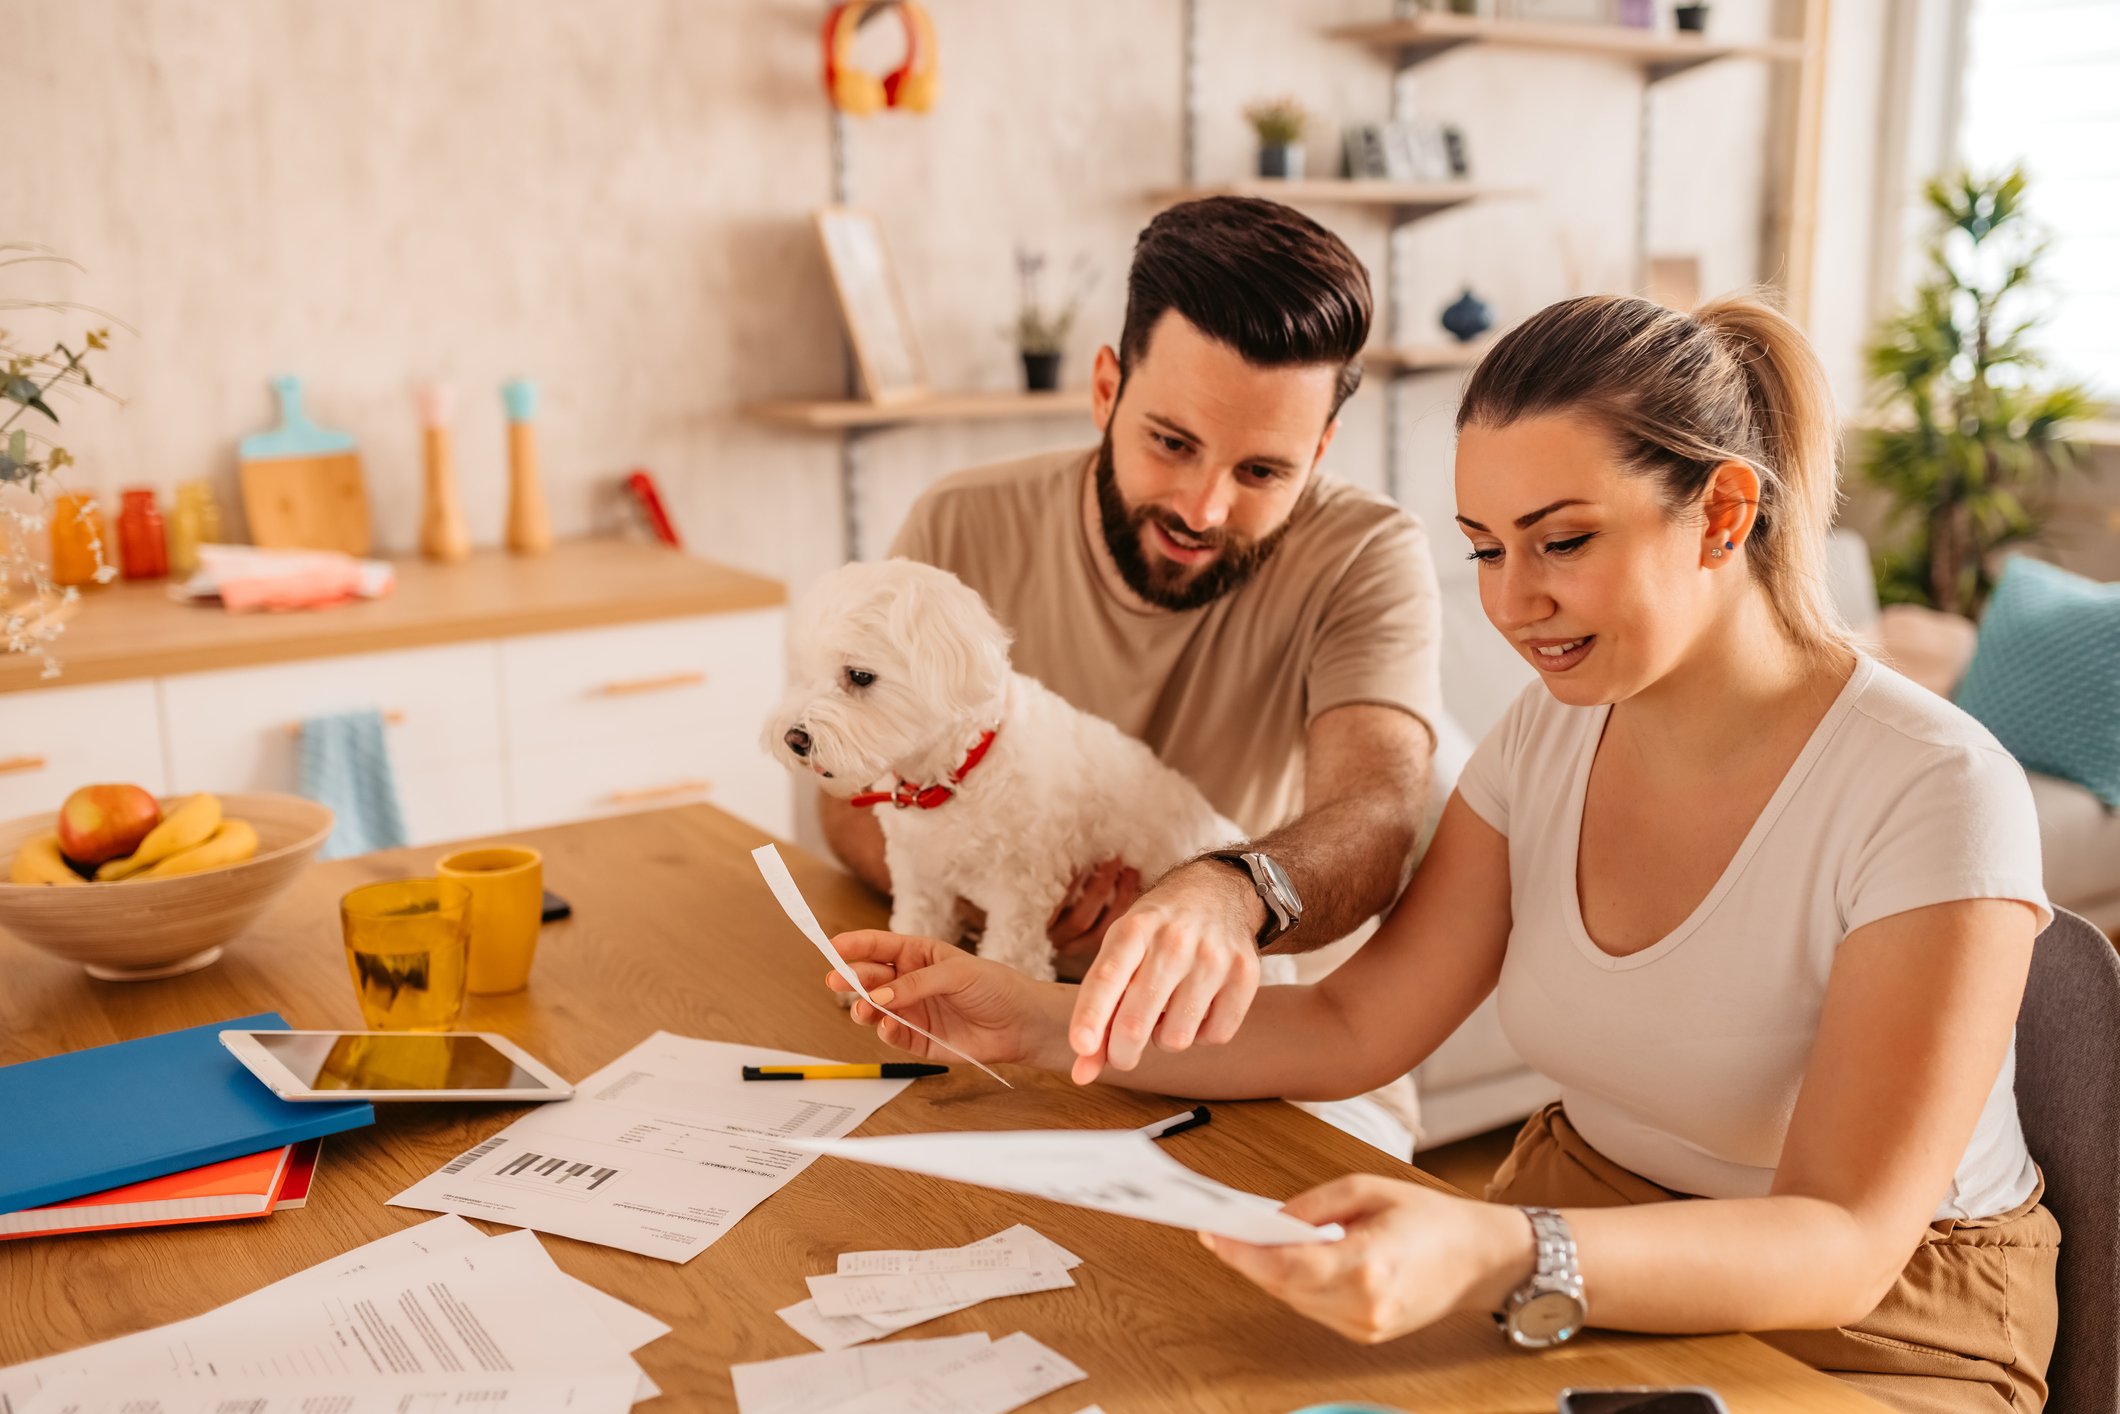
[
  {"x": 1410, "y": 1257},
  {"x": 984, "y": 1009}
]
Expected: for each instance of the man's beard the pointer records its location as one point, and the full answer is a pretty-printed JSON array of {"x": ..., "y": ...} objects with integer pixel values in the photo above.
[{"x": 1164, "y": 582}]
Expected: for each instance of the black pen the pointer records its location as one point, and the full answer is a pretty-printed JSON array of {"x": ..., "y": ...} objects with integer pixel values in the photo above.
[{"x": 1177, "y": 1124}]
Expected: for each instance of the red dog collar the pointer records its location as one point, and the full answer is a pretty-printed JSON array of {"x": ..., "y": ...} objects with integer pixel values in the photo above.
[{"x": 927, "y": 797}]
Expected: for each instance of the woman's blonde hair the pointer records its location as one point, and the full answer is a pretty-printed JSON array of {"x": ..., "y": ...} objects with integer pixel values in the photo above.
[{"x": 1681, "y": 394}]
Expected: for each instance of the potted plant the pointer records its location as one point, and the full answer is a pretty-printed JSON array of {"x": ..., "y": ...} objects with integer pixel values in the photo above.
[
  {"x": 1972, "y": 435},
  {"x": 1041, "y": 330},
  {"x": 1279, "y": 123},
  {"x": 1690, "y": 18},
  {"x": 33, "y": 607}
]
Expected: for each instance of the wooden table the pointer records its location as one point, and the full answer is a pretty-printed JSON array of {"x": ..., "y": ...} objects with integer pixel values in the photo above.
[{"x": 674, "y": 930}]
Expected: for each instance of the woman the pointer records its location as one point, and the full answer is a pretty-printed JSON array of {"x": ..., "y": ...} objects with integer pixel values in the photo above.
[{"x": 1762, "y": 907}]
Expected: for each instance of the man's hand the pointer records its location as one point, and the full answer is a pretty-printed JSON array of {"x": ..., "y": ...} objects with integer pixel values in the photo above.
[
  {"x": 1095, "y": 900},
  {"x": 1181, "y": 966}
]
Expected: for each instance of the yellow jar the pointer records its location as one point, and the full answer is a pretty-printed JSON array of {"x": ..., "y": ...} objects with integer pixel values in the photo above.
[
  {"x": 406, "y": 950},
  {"x": 194, "y": 521}
]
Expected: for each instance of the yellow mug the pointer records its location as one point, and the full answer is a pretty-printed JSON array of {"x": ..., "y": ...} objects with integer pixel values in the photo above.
[{"x": 507, "y": 884}]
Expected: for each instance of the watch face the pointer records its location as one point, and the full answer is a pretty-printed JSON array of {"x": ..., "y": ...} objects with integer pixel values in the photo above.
[
  {"x": 1277, "y": 879},
  {"x": 1547, "y": 1318}
]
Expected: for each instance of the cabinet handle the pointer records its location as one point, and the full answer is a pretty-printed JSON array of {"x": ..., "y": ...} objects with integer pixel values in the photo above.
[
  {"x": 12, "y": 765},
  {"x": 635, "y": 797},
  {"x": 634, "y": 686},
  {"x": 392, "y": 718}
]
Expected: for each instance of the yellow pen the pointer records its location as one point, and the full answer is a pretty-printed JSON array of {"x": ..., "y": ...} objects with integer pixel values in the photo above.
[{"x": 888, "y": 1070}]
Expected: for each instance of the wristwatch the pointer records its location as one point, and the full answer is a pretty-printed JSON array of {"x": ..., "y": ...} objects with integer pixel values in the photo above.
[
  {"x": 1548, "y": 1309},
  {"x": 1284, "y": 906}
]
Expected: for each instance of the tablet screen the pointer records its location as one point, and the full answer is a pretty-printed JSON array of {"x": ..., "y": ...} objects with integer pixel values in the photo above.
[{"x": 411, "y": 1061}]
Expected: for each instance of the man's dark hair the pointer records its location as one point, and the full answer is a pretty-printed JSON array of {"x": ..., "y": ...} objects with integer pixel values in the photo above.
[{"x": 1256, "y": 275}]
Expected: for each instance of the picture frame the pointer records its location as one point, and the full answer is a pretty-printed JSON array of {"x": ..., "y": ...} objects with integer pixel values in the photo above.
[
  {"x": 1405, "y": 152},
  {"x": 871, "y": 303}
]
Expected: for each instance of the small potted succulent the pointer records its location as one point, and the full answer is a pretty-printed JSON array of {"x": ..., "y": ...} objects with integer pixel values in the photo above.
[
  {"x": 33, "y": 606},
  {"x": 1280, "y": 124},
  {"x": 1041, "y": 330}
]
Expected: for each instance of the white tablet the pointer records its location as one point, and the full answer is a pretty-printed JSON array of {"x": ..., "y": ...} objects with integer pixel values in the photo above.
[{"x": 393, "y": 1065}]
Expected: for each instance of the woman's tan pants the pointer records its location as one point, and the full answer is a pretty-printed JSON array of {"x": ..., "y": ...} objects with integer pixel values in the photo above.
[{"x": 1968, "y": 1329}]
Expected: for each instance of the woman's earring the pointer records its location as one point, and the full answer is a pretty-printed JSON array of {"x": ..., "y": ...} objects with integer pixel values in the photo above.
[
  {"x": 1715, "y": 554},
  {"x": 1726, "y": 545}
]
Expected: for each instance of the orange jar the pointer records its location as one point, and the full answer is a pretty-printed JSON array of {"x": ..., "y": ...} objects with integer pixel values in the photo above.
[
  {"x": 80, "y": 540},
  {"x": 143, "y": 540}
]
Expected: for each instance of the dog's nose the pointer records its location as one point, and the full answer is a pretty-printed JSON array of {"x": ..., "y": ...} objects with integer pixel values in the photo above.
[{"x": 798, "y": 741}]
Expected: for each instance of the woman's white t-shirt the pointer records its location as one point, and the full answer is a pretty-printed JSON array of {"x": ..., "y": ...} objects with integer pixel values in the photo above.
[{"x": 1682, "y": 1061}]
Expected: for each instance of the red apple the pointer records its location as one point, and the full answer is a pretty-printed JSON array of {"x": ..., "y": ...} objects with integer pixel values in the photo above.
[{"x": 98, "y": 823}]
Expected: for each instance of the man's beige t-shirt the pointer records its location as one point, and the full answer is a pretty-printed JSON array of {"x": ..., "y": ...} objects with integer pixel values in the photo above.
[{"x": 1343, "y": 611}]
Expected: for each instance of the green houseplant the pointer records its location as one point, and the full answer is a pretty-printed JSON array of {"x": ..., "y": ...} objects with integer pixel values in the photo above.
[
  {"x": 33, "y": 609},
  {"x": 1041, "y": 329},
  {"x": 1279, "y": 124},
  {"x": 1972, "y": 434}
]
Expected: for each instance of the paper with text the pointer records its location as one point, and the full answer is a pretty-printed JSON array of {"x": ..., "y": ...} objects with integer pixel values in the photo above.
[
  {"x": 1114, "y": 1171},
  {"x": 883, "y": 1295},
  {"x": 438, "y": 1394},
  {"x": 993, "y": 1379},
  {"x": 659, "y": 1153},
  {"x": 801, "y": 1383},
  {"x": 792, "y": 903}
]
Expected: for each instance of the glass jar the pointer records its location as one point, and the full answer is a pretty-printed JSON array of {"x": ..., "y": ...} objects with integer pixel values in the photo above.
[
  {"x": 143, "y": 546},
  {"x": 80, "y": 540},
  {"x": 195, "y": 520}
]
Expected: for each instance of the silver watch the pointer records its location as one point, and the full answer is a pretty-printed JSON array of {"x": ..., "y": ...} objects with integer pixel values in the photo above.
[
  {"x": 1547, "y": 1309},
  {"x": 1284, "y": 906}
]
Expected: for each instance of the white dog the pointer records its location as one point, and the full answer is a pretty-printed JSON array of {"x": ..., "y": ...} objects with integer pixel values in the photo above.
[{"x": 989, "y": 786}]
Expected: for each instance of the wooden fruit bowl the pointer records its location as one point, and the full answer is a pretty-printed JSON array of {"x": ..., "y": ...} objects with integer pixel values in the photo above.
[{"x": 146, "y": 928}]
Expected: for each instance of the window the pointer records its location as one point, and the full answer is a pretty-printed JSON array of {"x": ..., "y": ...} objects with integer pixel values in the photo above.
[{"x": 2042, "y": 86}]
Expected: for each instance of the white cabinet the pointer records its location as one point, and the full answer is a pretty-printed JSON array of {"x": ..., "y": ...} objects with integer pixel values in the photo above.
[
  {"x": 57, "y": 739},
  {"x": 485, "y": 735}
]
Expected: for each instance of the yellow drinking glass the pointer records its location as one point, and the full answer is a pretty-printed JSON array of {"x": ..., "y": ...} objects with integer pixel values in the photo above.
[
  {"x": 405, "y": 946},
  {"x": 507, "y": 884}
]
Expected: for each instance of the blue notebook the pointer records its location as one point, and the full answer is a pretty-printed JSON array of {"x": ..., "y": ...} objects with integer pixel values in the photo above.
[{"x": 90, "y": 1120}]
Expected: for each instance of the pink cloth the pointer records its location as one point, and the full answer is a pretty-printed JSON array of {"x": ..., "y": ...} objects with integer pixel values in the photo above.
[{"x": 248, "y": 580}]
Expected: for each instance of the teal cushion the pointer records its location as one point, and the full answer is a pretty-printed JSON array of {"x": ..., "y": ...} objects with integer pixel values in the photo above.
[{"x": 2045, "y": 677}]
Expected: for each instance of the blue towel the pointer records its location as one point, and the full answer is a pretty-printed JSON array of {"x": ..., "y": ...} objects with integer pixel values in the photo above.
[{"x": 346, "y": 765}]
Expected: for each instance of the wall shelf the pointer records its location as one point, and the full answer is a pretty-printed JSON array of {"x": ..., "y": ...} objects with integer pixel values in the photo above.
[
  {"x": 1419, "y": 38},
  {"x": 862, "y": 414},
  {"x": 1403, "y": 360},
  {"x": 1411, "y": 200}
]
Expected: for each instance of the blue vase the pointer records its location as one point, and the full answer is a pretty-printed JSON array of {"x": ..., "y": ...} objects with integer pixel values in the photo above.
[{"x": 1469, "y": 318}]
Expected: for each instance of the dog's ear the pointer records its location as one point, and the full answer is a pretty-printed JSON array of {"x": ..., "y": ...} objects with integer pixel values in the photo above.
[{"x": 944, "y": 626}]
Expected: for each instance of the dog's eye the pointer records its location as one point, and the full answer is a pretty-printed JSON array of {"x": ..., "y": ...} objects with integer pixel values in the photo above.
[{"x": 860, "y": 677}]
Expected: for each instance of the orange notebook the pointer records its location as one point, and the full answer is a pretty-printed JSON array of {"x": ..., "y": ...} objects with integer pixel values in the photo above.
[{"x": 246, "y": 1187}]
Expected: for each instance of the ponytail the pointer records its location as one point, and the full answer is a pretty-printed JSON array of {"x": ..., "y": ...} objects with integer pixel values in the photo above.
[{"x": 1681, "y": 395}]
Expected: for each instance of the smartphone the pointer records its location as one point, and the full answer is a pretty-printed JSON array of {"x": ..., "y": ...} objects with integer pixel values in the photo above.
[
  {"x": 556, "y": 908},
  {"x": 1690, "y": 1399},
  {"x": 394, "y": 1065}
]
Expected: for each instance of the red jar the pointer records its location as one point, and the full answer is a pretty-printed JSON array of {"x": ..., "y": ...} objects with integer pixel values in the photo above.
[{"x": 143, "y": 547}]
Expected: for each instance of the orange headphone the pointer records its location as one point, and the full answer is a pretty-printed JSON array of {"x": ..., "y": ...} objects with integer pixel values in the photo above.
[{"x": 857, "y": 92}]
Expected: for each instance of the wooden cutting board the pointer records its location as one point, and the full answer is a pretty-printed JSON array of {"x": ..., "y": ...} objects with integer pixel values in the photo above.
[{"x": 302, "y": 484}]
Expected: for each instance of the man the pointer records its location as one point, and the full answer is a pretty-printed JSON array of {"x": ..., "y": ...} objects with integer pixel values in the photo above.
[{"x": 1268, "y": 630}]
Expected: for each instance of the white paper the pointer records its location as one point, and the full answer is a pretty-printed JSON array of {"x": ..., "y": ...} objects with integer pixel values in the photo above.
[
  {"x": 659, "y": 1153},
  {"x": 993, "y": 1379},
  {"x": 1114, "y": 1171},
  {"x": 18, "y": 1383},
  {"x": 493, "y": 1306},
  {"x": 792, "y": 903},
  {"x": 839, "y": 1332},
  {"x": 941, "y": 1260},
  {"x": 486, "y": 1394},
  {"x": 882, "y": 1295},
  {"x": 801, "y": 1383}
]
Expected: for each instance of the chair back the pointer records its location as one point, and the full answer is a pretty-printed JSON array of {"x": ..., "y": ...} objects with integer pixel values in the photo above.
[{"x": 2068, "y": 1099}]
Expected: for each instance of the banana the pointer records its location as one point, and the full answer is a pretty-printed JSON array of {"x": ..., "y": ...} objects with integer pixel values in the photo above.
[
  {"x": 232, "y": 842},
  {"x": 39, "y": 862},
  {"x": 186, "y": 827}
]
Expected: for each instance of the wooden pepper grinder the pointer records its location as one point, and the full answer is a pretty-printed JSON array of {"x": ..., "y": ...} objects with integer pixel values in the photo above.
[
  {"x": 529, "y": 527},
  {"x": 442, "y": 533}
]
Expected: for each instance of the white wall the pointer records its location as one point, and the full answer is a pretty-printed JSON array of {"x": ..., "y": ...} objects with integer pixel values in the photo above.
[{"x": 612, "y": 199}]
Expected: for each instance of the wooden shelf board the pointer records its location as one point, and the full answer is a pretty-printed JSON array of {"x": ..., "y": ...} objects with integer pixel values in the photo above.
[
  {"x": 844, "y": 414},
  {"x": 1422, "y": 37},
  {"x": 1414, "y": 197},
  {"x": 1399, "y": 360}
]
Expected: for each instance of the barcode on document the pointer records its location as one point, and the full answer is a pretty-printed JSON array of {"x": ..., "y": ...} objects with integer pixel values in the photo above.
[
  {"x": 464, "y": 1160},
  {"x": 559, "y": 1172}
]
